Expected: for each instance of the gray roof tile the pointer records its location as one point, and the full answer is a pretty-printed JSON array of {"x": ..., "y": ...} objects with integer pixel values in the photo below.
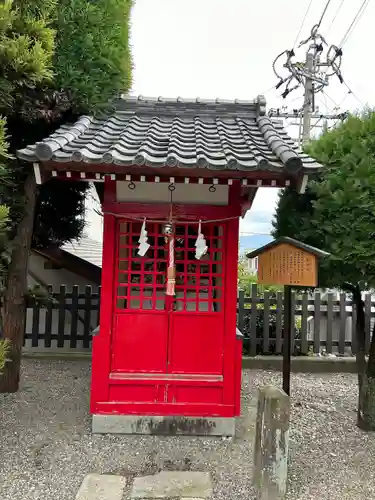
[
  {"x": 86, "y": 249},
  {"x": 155, "y": 132}
]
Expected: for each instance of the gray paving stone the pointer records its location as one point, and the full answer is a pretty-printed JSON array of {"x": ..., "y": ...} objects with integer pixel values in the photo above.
[
  {"x": 101, "y": 487},
  {"x": 168, "y": 484}
]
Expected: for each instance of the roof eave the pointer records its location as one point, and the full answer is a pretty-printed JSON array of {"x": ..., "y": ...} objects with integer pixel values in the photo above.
[{"x": 290, "y": 241}]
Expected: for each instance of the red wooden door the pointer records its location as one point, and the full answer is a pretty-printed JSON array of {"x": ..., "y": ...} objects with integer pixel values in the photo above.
[
  {"x": 154, "y": 334},
  {"x": 169, "y": 350}
]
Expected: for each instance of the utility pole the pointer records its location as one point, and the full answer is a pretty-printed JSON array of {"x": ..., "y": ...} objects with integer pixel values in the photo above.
[
  {"x": 316, "y": 118},
  {"x": 313, "y": 74},
  {"x": 308, "y": 98}
]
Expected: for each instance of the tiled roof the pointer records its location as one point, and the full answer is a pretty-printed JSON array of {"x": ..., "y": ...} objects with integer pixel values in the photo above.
[
  {"x": 85, "y": 249},
  {"x": 157, "y": 132}
]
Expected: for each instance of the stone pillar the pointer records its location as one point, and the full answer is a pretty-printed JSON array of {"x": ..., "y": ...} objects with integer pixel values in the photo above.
[{"x": 271, "y": 444}]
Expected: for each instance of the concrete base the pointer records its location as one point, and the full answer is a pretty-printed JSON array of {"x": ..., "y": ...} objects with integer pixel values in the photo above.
[{"x": 163, "y": 426}]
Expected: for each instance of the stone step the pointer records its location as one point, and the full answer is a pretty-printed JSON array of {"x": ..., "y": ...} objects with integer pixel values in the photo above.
[
  {"x": 168, "y": 484},
  {"x": 101, "y": 487}
]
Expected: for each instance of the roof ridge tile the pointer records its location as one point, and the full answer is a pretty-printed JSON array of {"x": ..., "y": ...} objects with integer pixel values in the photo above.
[{"x": 218, "y": 134}]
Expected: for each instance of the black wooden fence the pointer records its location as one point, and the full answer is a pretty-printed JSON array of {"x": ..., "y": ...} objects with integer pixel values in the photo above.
[
  {"x": 320, "y": 324},
  {"x": 67, "y": 320}
]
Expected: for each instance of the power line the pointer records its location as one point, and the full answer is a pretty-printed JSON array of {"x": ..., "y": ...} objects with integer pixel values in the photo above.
[
  {"x": 354, "y": 22},
  {"x": 330, "y": 98},
  {"x": 338, "y": 106},
  {"x": 323, "y": 13},
  {"x": 353, "y": 94},
  {"x": 303, "y": 22},
  {"x": 269, "y": 90},
  {"x": 335, "y": 16}
]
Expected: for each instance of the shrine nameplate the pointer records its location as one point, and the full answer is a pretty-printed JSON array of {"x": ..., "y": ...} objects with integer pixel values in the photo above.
[{"x": 285, "y": 264}]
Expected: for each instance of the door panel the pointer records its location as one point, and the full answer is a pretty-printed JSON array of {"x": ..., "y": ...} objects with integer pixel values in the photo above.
[
  {"x": 140, "y": 343},
  {"x": 197, "y": 322},
  {"x": 201, "y": 395},
  {"x": 196, "y": 344},
  {"x": 140, "y": 329},
  {"x": 135, "y": 393}
]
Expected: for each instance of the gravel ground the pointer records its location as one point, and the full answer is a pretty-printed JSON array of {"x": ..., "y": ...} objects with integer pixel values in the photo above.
[{"x": 46, "y": 447}]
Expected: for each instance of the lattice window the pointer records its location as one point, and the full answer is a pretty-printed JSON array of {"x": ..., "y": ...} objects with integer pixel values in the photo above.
[
  {"x": 199, "y": 283},
  {"x": 141, "y": 281}
]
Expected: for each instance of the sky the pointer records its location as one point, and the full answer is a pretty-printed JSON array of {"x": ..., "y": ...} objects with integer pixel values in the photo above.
[{"x": 221, "y": 48}]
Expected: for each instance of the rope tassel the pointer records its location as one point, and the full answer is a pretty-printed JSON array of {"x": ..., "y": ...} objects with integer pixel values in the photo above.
[{"x": 171, "y": 274}]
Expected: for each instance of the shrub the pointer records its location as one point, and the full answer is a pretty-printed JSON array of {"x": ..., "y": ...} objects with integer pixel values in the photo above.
[{"x": 4, "y": 353}]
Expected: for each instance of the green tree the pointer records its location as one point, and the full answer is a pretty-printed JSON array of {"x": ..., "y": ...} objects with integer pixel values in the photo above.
[
  {"x": 246, "y": 279},
  {"x": 59, "y": 58},
  {"x": 337, "y": 214}
]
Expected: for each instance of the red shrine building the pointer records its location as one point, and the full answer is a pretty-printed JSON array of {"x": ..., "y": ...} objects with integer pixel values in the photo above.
[{"x": 178, "y": 174}]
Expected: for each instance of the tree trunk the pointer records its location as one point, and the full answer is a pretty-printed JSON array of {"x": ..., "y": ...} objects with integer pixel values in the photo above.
[
  {"x": 14, "y": 310},
  {"x": 366, "y": 371}
]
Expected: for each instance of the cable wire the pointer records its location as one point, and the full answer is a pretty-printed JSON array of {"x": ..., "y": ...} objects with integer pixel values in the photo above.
[
  {"x": 323, "y": 13},
  {"x": 334, "y": 17},
  {"x": 303, "y": 22},
  {"x": 354, "y": 95},
  {"x": 269, "y": 90},
  {"x": 330, "y": 98},
  {"x": 354, "y": 22}
]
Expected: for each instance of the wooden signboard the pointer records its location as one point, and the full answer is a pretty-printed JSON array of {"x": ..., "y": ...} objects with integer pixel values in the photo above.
[
  {"x": 288, "y": 262},
  {"x": 285, "y": 264}
]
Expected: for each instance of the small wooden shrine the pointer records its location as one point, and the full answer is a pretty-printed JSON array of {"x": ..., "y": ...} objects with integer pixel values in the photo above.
[{"x": 178, "y": 174}]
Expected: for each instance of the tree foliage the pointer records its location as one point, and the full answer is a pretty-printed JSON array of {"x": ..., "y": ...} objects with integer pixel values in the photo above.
[
  {"x": 337, "y": 211},
  {"x": 58, "y": 58},
  {"x": 97, "y": 65},
  {"x": 26, "y": 49},
  {"x": 337, "y": 214}
]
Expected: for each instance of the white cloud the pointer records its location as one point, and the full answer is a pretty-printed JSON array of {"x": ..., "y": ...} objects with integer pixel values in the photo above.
[
  {"x": 94, "y": 221},
  {"x": 258, "y": 218}
]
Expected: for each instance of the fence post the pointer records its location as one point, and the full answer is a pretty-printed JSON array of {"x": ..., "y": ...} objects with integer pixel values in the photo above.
[
  {"x": 35, "y": 323},
  {"x": 87, "y": 317},
  {"x": 74, "y": 316},
  {"x": 241, "y": 309},
  {"x": 317, "y": 305},
  {"x": 266, "y": 323},
  {"x": 343, "y": 317},
  {"x": 353, "y": 329},
  {"x": 61, "y": 317},
  {"x": 253, "y": 322},
  {"x": 292, "y": 322},
  {"x": 49, "y": 314},
  {"x": 304, "y": 320},
  {"x": 329, "y": 322},
  {"x": 368, "y": 321},
  {"x": 279, "y": 322}
]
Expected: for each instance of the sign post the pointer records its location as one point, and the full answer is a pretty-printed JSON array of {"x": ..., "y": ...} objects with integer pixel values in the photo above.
[
  {"x": 291, "y": 263},
  {"x": 287, "y": 337}
]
